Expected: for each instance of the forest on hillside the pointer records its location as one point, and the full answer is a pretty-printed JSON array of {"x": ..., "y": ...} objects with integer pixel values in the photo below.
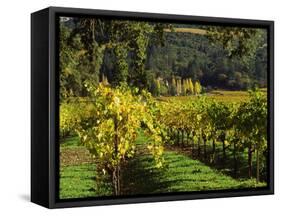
[{"x": 158, "y": 56}]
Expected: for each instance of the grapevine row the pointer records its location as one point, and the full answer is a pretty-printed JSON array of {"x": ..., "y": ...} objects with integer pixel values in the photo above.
[{"x": 203, "y": 120}]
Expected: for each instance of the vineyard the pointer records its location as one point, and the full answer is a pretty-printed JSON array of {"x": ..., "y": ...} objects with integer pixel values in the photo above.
[
  {"x": 129, "y": 142},
  {"x": 154, "y": 107}
]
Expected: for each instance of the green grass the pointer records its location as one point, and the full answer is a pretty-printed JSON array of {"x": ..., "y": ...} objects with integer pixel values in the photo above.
[
  {"x": 69, "y": 142},
  {"x": 78, "y": 177},
  {"x": 77, "y": 181},
  {"x": 179, "y": 174},
  {"x": 217, "y": 160},
  {"x": 80, "y": 181},
  {"x": 185, "y": 174},
  {"x": 140, "y": 176}
]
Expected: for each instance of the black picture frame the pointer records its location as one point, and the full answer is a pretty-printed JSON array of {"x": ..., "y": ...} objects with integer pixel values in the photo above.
[{"x": 45, "y": 109}]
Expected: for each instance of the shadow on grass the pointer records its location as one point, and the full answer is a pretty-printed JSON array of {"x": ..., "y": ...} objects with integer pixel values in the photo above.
[
  {"x": 180, "y": 173},
  {"x": 217, "y": 161},
  {"x": 141, "y": 177}
]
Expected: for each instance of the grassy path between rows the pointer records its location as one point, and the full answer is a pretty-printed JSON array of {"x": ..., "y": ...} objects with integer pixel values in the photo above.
[{"x": 140, "y": 176}]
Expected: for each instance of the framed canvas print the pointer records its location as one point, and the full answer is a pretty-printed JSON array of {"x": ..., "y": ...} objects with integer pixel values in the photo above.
[{"x": 138, "y": 107}]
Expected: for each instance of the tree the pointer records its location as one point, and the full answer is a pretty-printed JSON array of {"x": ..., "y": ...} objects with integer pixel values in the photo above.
[
  {"x": 122, "y": 68},
  {"x": 129, "y": 46},
  {"x": 155, "y": 87},
  {"x": 197, "y": 88},
  {"x": 183, "y": 87},
  {"x": 238, "y": 42},
  {"x": 187, "y": 86},
  {"x": 191, "y": 87},
  {"x": 158, "y": 86},
  {"x": 173, "y": 87},
  {"x": 71, "y": 81},
  {"x": 179, "y": 88},
  {"x": 90, "y": 32},
  {"x": 104, "y": 80}
]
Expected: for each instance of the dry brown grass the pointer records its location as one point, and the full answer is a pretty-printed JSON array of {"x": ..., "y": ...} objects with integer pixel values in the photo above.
[
  {"x": 188, "y": 30},
  {"x": 70, "y": 156}
]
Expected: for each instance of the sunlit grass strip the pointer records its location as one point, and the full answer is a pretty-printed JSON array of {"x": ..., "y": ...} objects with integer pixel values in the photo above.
[{"x": 187, "y": 30}]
